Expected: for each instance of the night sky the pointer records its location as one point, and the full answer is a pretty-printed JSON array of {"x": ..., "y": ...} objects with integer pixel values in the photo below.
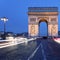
[{"x": 16, "y": 12}]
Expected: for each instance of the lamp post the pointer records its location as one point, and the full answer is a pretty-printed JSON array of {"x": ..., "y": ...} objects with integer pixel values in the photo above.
[
  {"x": 4, "y": 19},
  {"x": 51, "y": 32}
]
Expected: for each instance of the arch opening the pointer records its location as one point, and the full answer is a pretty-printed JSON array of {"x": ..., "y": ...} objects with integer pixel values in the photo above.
[{"x": 43, "y": 28}]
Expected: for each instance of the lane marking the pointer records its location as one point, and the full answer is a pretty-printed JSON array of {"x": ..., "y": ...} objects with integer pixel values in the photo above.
[
  {"x": 33, "y": 52},
  {"x": 43, "y": 53}
]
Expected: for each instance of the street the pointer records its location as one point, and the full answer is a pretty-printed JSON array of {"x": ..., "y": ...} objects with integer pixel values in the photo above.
[{"x": 40, "y": 49}]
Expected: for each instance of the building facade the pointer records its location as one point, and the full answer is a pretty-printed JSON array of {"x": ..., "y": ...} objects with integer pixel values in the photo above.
[{"x": 36, "y": 15}]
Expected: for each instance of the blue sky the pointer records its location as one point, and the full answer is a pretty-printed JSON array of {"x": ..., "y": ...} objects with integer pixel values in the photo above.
[{"x": 16, "y": 12}]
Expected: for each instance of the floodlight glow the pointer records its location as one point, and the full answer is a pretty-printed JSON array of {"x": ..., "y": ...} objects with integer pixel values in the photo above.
[{"x": 4, "y": 19}]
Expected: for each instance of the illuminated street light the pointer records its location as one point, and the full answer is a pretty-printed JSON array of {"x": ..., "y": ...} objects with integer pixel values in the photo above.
[
  {"x": 51, "y": 32},
  {"x": 4, "y": 19}
]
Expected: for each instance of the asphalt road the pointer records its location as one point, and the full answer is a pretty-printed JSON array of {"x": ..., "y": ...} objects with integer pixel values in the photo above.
[{"x": 41, "y": 49}]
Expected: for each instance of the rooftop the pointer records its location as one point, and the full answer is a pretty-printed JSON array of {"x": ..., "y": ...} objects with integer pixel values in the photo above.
[{"x": 43, "y": 9}]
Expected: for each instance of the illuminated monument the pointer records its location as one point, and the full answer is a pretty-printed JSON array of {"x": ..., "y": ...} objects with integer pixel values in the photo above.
[{"x": 43, "y": 14}]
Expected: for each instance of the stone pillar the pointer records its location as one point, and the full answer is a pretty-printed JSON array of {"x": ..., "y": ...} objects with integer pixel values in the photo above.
[
  {"x": 33, "y": 30},
  {"x": 53, "y": 26},
  {"x": 54, "y": 30},
  {"x": 49, "y": 30}
]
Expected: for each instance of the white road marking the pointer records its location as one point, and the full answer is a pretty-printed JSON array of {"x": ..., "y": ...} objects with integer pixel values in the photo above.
[
  {"x": 43, "y": 53},
  {"x": 33, "y": 52}
]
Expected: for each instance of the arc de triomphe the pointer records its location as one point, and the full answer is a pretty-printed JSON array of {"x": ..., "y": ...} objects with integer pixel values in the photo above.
[{"x": 42, "y": 14}]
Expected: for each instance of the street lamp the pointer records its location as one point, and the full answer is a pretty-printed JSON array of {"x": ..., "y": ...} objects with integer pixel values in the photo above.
[
  {"x": 4, "y": 19},
  {"x": 51, "y": 32}
]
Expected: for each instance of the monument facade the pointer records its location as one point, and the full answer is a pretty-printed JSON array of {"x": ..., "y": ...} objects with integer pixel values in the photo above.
[{"x": 36, "y": 15}]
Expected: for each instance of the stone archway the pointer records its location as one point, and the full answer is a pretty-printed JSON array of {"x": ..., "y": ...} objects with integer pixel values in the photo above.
[
  {"x": 46, "y": 22},
  {"x": 47, "y": 14}
]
